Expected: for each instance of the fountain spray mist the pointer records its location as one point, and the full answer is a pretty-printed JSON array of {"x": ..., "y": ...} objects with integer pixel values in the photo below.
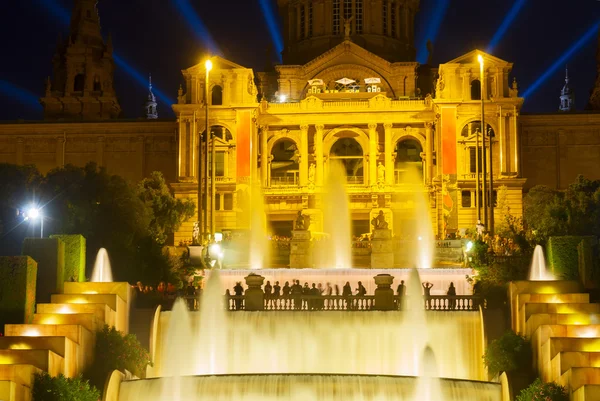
[
  {"x": 538, "y": 270},
  {"x": 428, "y": 386},
  {"x": 102, "y": 272},
  {"x": 259, "y": 245},
  {"x": 336, "y": 218}
]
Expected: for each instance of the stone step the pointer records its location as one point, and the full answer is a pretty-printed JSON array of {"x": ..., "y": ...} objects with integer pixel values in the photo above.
[
  {"x": 576, "y": 378},
  {"x": 545, "y": 287},
  {"x": 555, "y": 345},
  {"x": 123, "y": 290},
  {"x": 587, "y": 392},
  {"x": 531, "y": 309},
  {"x": 73, "y": 332},
  {"x": 103, "y": 312},
  {"x": 569, "y": 298},
  {"x": 42, "y": 359},
  {"x": 62, "y": 346},
  {"x": 11, "y": 391},
  {"x": 564, "y": 361},
  {"x": 113, "y": 301},
  {"x": 575, "y": 319},
  {"x": 20, "y": 374},
  {"x": 544, "y": 332},
  {"x": 87, "y": 320}
]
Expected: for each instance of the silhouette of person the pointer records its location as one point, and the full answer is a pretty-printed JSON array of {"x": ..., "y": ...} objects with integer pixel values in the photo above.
[
  {"x": 268, "y": 293},
  {"x": 427, "y": 293},
  {"x": 347, "y": 293},
  {"x": 296, "y": 291},
  {"x": 238, "y": 290},
  {"x": 451, "y": 293},
  {"x": 401, "y": 291}
]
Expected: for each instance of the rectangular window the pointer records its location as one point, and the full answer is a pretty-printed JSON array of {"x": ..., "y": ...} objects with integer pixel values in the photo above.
[
  {"x": 466, "y": 198},
  {"x": 358, "y": 16},
  {"x": 336, "y": 17},
  {"x": 220, "y": 164},
  {"x": 472, "y": 156},
  {"x": 393, "y": 19},
  {"x": 302, "y": 21},
  {"x": 218, "y": 202},
  {"x": 384, "y": 17},
  {"x": 228, "y": 201},
  {"x": 347, "y": 9},
  {"x": 310, "y": 19}
]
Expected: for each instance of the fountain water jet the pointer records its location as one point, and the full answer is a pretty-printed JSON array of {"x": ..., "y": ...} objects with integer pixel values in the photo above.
[
  {"x": 336, "y": 218},
  {"x": 538, "y": 270},
  {"x": 259, "y": 246},
  {"x": 102, "y": 272},
  {"x": 429, "y": 386}
]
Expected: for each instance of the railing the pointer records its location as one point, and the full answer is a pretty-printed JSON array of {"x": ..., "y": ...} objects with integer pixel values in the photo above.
[{"x": 284, "y": 181}]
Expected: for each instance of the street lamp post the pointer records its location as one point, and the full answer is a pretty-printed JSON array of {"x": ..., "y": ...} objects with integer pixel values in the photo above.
[
  {"x": 34, "y": 213},
  {"x": 208, "y": 66},
  {"x": 483, "y": 131}
]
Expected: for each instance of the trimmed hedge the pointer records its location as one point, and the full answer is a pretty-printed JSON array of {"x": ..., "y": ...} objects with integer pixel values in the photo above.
[
  {"x": 18, "y": 276},
  {"x": 74, "y": 257},
  {"x": 562, "y": 256},
  {"x": 49, "y": 253}
]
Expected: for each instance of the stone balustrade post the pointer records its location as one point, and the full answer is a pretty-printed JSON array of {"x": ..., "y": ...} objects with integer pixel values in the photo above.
[
  {"x": 254, "y": 295},
  {"x": 384, "y": 294}
]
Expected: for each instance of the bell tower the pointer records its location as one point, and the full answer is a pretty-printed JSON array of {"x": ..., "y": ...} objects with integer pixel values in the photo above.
[
  {"x": 384, "y": 27},
  {"x": 83, "y": 69}
]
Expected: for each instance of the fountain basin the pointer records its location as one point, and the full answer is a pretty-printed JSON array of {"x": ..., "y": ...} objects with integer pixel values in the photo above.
[{"x": 299, "y": 387}]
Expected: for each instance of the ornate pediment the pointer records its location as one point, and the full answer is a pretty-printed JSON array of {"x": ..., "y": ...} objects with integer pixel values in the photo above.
[
  {"x": 471, "y": 58},
  {"x": 219, "y": 63}
]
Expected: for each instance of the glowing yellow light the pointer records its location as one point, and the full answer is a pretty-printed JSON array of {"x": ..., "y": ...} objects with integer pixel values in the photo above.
[
  {"x": 31, "y": 333},
  {"x": 65, "y": 310},
  {"x": 20, "y": 346},
  {"x": 50, "y": 320},
  {"x": 208, "y": 65},
  {"x": 480, "y": 59},
  {"x": 588, "y": 332},
  {"x": 6, "y": 360},
  {"x": 78, "y": 301},
  {"x": 593, "y": 346},
  {"x": 90, "y": 292}
]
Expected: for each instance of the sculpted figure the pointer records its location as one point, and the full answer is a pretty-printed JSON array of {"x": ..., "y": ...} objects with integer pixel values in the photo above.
[{"x": 379, "y": 222}]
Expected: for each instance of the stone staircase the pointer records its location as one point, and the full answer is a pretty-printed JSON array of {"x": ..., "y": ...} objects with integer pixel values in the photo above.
[
  {"x": 61, "y": 337},
  {"x": 564, "y": 329}
]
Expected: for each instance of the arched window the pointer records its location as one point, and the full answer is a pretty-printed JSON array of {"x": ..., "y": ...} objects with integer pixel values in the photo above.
[
  {"x": 408, "y": 166},
  {"x": 285, "y": 163},
  {"x": 217, "y": 96},
  {"x": 475, "y": 90},
  {"x": 349, "y": 152},
  {"x": 79, "y": 83}
]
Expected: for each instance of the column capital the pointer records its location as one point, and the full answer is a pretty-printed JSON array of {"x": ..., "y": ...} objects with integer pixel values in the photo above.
[
  {"x": 372, "y": 126},
  {"x": 388, "y": 126},
  {"x": 320, "y": 127},
  {"x": 263, "y": 128},
  {"x": 304, "y": 127},
  {"x": 429, "y": 124}
]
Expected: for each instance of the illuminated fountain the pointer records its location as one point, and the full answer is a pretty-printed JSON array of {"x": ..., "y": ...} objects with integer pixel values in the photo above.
[
  {"x": 336, "y": 220},
  {"x": 259, "y": 245},
  {"x": 102, "y": 272},
  {"x": 538, "y": 270}
]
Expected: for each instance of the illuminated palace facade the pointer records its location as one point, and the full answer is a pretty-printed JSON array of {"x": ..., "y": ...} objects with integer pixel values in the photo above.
[{"x": 348, "y": 91}]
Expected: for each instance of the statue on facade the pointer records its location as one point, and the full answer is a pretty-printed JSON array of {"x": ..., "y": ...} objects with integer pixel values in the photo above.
[
  {"x": 439, "y": 86},
  {"x": 380, "y": 173},
  {"x": 513, "y": 91},
  {"x": 196, "y": 233},
  {"x": 347, "y": 28},
  {"x": 379, "y": 222},
  {"x": 302, "y": 222},
  {"x": 311, "y": 173}
]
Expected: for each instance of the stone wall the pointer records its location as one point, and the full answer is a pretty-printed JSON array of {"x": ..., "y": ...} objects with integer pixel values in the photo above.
[
  {"x": 556, "y": 148},
  {"x": 131, "y": 149}
]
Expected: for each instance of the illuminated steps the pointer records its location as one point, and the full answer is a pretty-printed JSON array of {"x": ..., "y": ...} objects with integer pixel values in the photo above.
[
  {"x": 62, "y": 346},
  {"x": 102, "y": 312},
  {"x": 43, "y": 359},
  {"x": 87, "y": 320},
  {"x": 11, "y": 391},
  {"x": 19, "y": 374},
  {"x": 572, "y": 319},
  {"x": 575, "y": 378},
  {"x": 563, "y": 361},
  {"x": 113, "y": 301},
  {"x": 587, "y": 392}
]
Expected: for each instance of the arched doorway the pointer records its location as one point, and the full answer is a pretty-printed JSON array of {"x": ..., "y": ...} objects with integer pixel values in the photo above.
[
  {"x": 349, "y": 153},
  {"x": 408, "y": 166},
  {"x": 285, "y": 163}
]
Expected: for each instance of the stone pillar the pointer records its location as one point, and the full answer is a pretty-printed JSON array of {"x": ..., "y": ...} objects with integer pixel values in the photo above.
[
  {"x": 300, "y": 250},
  {"x": 501, "y": 142},
  {"x": 49, "y": 253},
  {"x": 373, "y": 153},
  {"x": 429, "y": 151},
  {"x": 319, "y": 153},
  {"x": 254, "y": 295},
  {"x": 303, "y": 155},
  {"x": 384, "y": 294},
  {"x": 389, "y": 161},
  {"x": 382, "y": 249},
  {"x": 264, "y": 157}
]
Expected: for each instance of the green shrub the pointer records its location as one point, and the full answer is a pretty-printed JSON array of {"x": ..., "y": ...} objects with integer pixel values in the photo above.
[
  {"x": 117, "y": 351},
  {"x": 18, "y": 275},
  {"x": 74, "y": 257},
  {"x": 539, "y": 391},
  {"x": 48, "y": 388},
  {"x": 508, "y": 353},
  {"x": 563, "y": 257}
]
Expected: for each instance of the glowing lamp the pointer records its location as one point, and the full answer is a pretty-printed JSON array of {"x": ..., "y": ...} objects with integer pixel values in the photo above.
[
  {"x": 31, "y": 333},
  {"x": 65, "y": 310},
  {"x": 208, "y": 65},
  {"x": 469, "y": 246},
  {"x": 218, "y": 237},
  {"x": 282, "y": 98},
  {"x": 33, "y": 213},
  {"x": 19, "y": 346},
  {"x": 480, "y": 59}
]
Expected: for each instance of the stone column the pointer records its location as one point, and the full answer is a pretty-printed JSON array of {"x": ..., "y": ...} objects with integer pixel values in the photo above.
[
  {"x": 384, "y": 294},
  {"x": 300, "y": 250},
  {"x": 389, "y": 162},
  {"x": 501, "y": 142},
  {"x": 264, "y": 157},
  {"x": 382, "y": 249},
  {"x": 254, "y": 295},
  {"x": 319, "y": 153},
  {"x": 429, "y": 151},
  {"x": 373, "y": 153},
  {"x": 303, "y": 155}
]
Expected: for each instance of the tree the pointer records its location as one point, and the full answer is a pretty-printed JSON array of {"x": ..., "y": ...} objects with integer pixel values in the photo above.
[
  {"x": 508, "y": 353},
  {"x": 539, "y": 391},
  {"x": 167, "y": 212}
]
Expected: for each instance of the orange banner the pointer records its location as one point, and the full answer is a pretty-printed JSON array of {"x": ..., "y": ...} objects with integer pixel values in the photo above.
[
  {"x": 244, "y": 138},
  {"x": 449, "y": 140}
]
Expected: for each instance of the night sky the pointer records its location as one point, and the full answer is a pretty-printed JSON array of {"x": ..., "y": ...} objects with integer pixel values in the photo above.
[{"x": 154, "y": 36}]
